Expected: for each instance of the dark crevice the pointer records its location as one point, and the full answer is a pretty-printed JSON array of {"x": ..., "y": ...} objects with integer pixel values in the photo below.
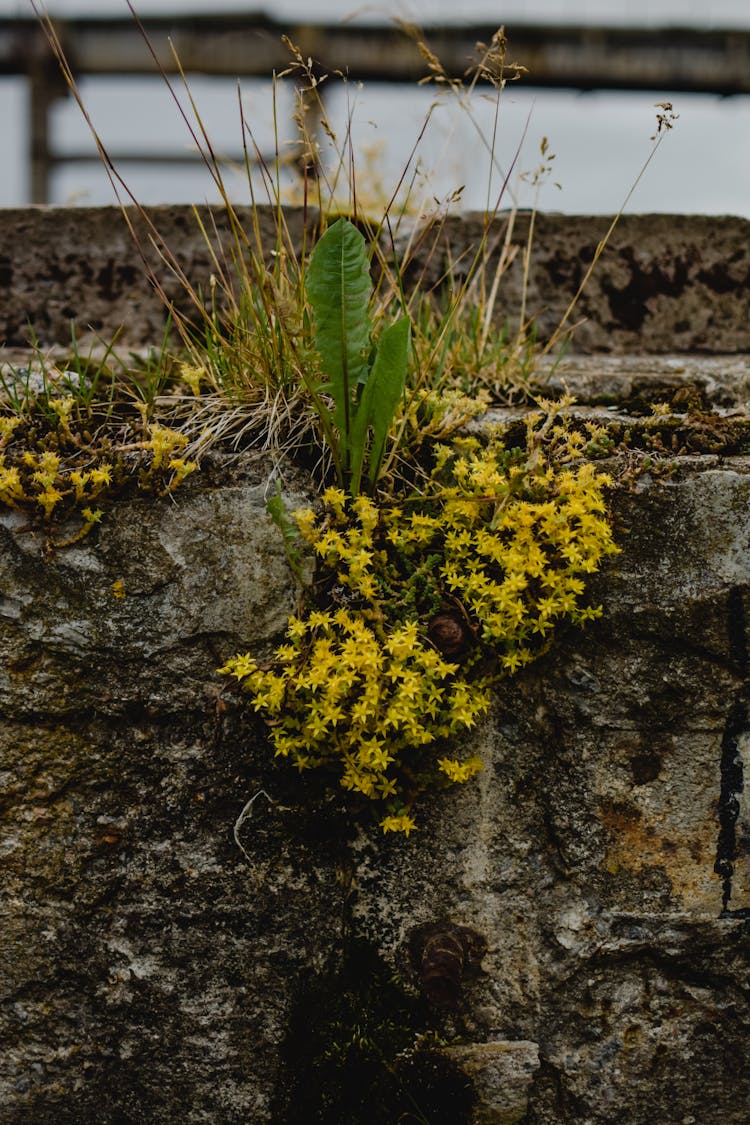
[
  {"x": 690, "y": 646},
  {"x": 629, "y": 305},
  {"x": 737, "y": 630},
  {"x": 737, "y": 726},
  {"x": 731, "y": 766},
  {"x": 729, "y": 805},
  {"x": 360, "y": 1050},
  {"x": 673, "y": 966},
  {"x": 551, "y": 1090}
]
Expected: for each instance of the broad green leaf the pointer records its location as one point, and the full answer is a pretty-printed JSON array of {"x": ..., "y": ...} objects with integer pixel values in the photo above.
[
  {"x": 339, "y": 290},
  {"x": 380, "y": 398}
]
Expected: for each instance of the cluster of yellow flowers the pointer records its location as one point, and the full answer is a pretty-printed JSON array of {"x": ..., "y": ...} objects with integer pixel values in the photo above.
[
  {"x": 500, "y": 538},
  {"x": 514, "y": 539},
  {"x": 43, "y": 478},
  {"x": 344, "y": 693}
]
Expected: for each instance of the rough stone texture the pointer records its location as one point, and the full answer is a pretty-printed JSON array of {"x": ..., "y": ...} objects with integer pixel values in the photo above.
[
  {"x": 666, "y": 283},
  {"x": 501, "y": 1074},
  {"x": 722, "y": 382},
  {"x": 151, "y": 970},
  {"x": 143, "y": 964},
  {"x": 63, "y": 267}
]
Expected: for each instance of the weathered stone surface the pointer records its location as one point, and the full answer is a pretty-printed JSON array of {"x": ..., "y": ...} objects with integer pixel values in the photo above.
[
  {"x": 151, "y": 971},
  {"x": 63, "y": 267},
  {"x": 665, "y": 283},
  {"x": 721, "y": 382},
  {"x": 131, "y": 923},
  {"x": 501, "y": 1074}
]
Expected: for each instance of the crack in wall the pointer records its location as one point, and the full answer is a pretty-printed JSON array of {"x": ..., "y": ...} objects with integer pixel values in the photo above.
[
  {"x": 737, "y": 631},
  {"x": 735, "y": 738}
]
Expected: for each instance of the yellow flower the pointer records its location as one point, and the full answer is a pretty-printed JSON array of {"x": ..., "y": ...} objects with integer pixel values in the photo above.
[
  {"x": 102, "y": 475},
  {"x": 49, "y": 466},
  {"x": 335, "y": 499},
  {"x": 402, "y": 823},
  {"x": 460, "y": 771},
  {"x": 162, "y": 442},
  {"x": 239, "y": 666},
  {"x": 48, "y": 498},
  {"x": 62, "y": 408},
  {"x": 360, "y": 688},
  {"x": 7, "y": 426},
  {"x": 368, "y": 587},
  {"x": 403, "y": 641},
  {"x": 305, "y": 520},
  {"x": 512, "y": 660},
  {"x": 316, "y": 619},
  {"x": 193, "y": 376},
  {"x": 180, "y": 469},
  {"x": 296, "y": 628},
  {"x": 366, "y": 512},
  {"x": 11, "y": 488},
  {"x": 79, "y": 481}
]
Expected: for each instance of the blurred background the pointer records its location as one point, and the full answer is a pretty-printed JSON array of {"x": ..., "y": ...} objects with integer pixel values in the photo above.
[{"x": 694, "y": 55}]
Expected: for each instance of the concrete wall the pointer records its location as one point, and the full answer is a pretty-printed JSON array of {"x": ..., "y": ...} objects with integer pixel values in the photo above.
[{"x": 152, "y": 971}]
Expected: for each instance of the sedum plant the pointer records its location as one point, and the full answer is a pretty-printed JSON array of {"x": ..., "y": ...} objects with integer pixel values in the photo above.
[
  {"x": 63, "y": 459},
  {"x": 425, "y": 604}
]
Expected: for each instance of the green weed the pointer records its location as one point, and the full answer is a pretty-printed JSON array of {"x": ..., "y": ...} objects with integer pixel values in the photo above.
[{"x": 358, "y": 342}]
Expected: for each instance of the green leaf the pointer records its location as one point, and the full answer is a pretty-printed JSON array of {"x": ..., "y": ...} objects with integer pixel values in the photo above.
[
  {"x": 339, "y": 290},
  {"x": 380, "y": 398}
]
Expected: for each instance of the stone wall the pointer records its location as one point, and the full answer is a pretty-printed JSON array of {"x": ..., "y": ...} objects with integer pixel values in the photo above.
[
  {"x": 596, "y": 874},
  {"x": 666, "y": 283}
]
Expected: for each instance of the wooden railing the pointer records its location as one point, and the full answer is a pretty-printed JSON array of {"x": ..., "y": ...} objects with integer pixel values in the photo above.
[{"x": 583, "y": 58}]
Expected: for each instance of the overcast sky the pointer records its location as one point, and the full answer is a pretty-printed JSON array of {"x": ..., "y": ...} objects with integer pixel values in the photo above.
[
  {"x": 701, "y": 13},
  {"x": 601, "y": 140}
]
